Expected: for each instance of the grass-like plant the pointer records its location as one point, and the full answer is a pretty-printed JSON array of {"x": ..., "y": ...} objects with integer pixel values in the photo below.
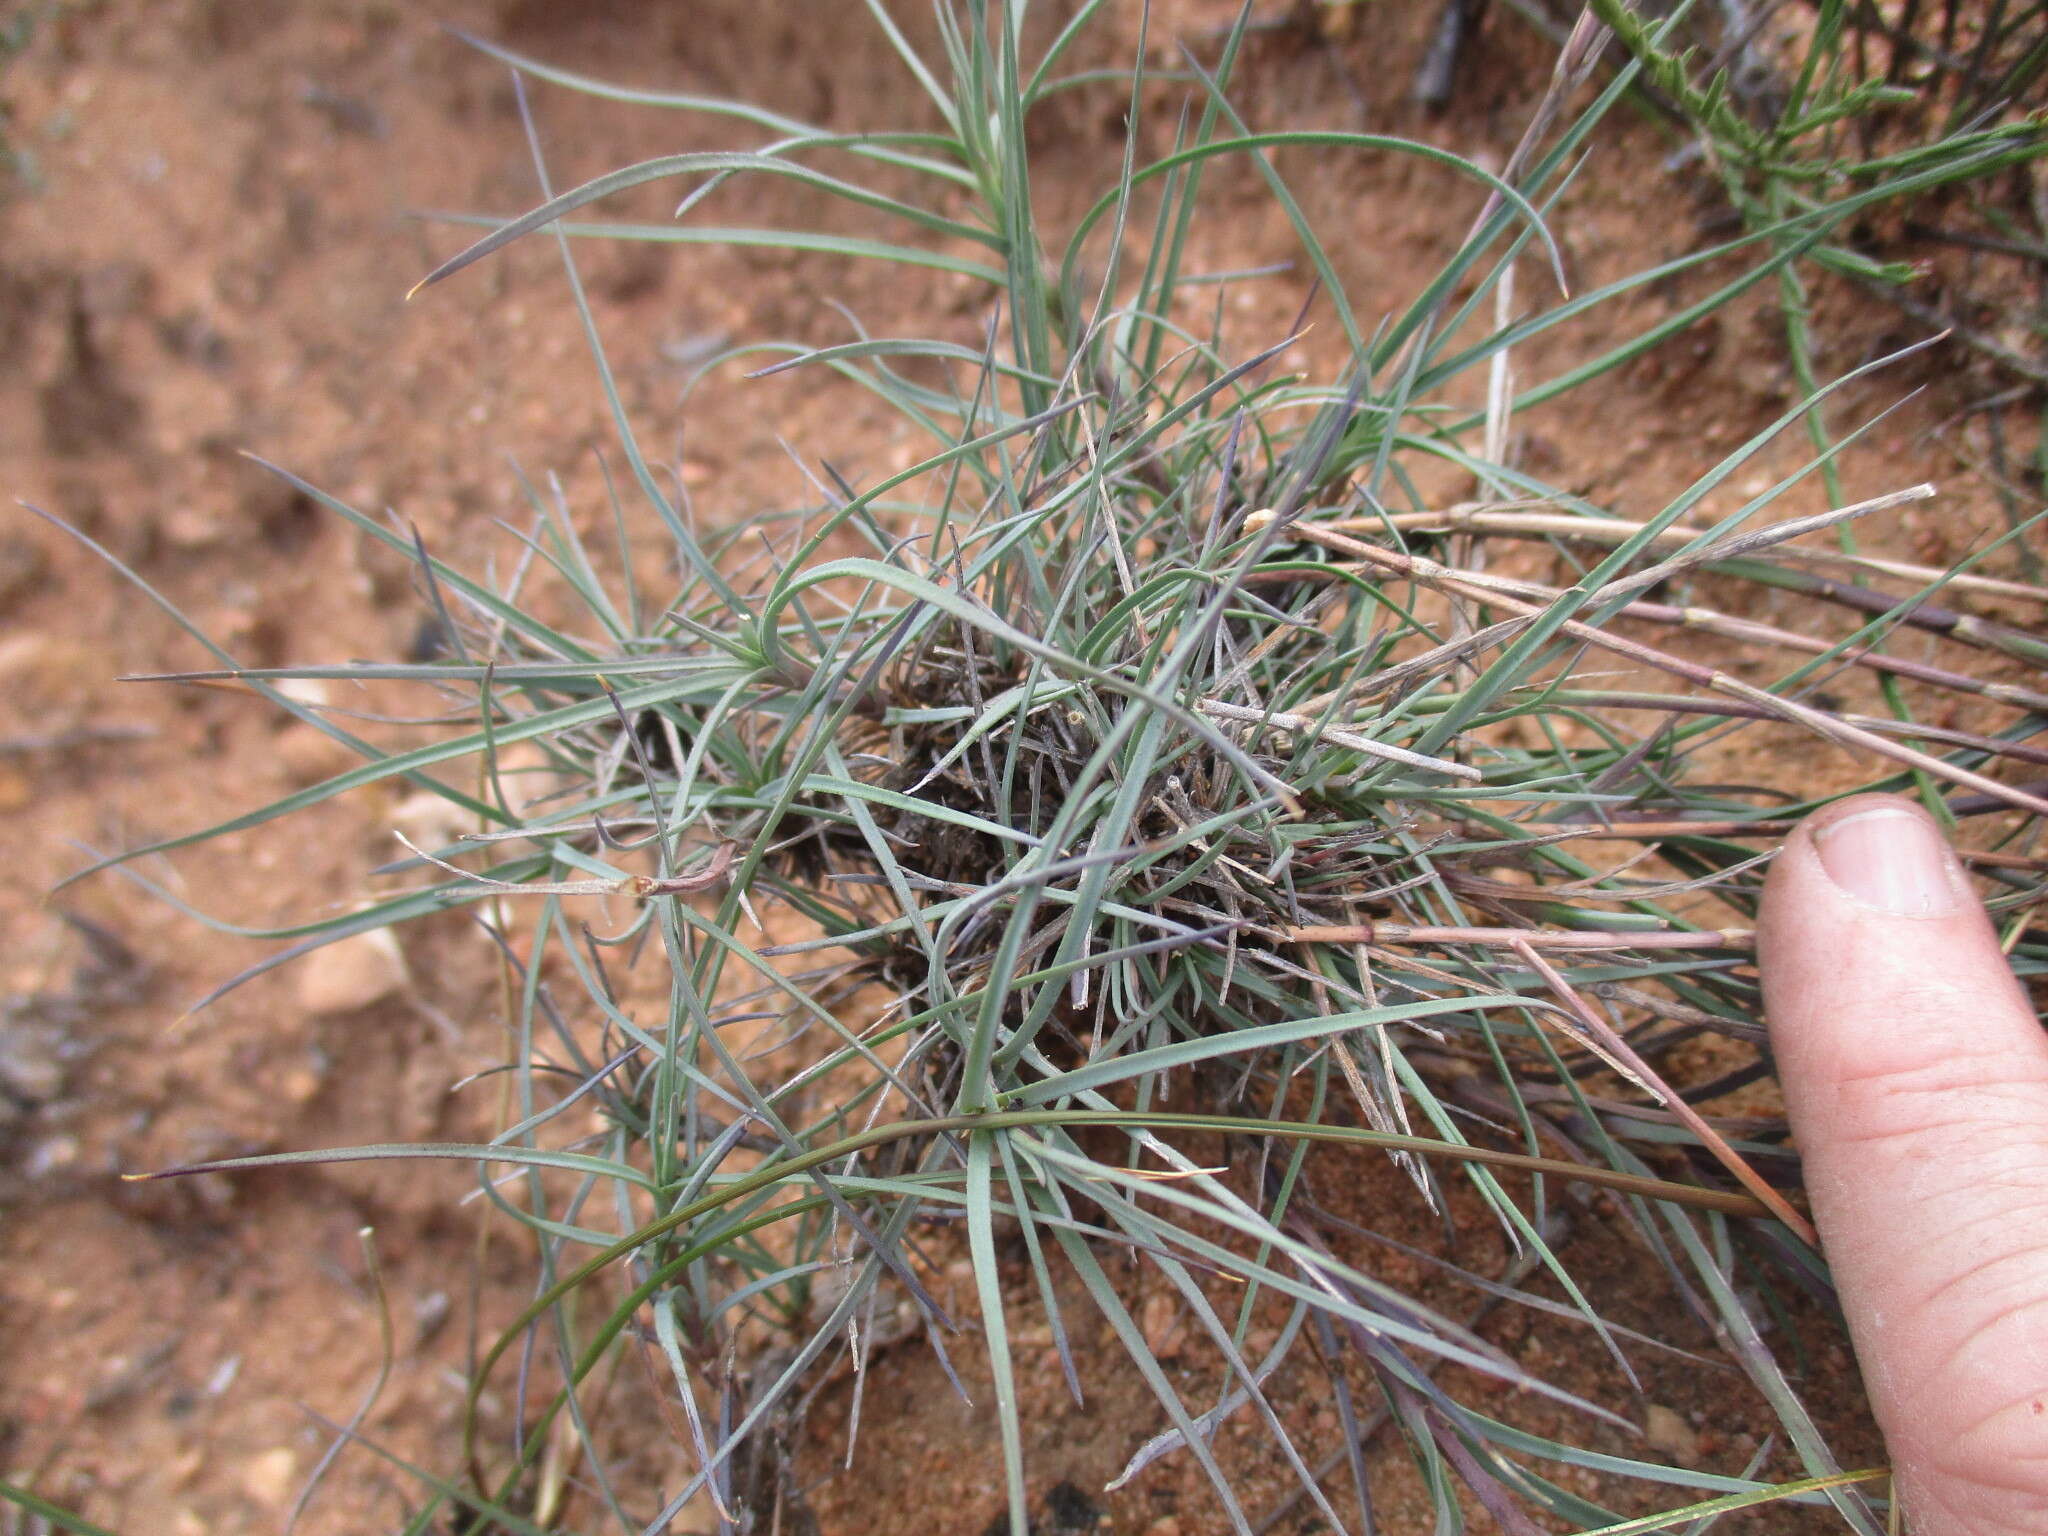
[
  {"x": 1861, "y": 99},
  {"x": 1153, "y": 741}
]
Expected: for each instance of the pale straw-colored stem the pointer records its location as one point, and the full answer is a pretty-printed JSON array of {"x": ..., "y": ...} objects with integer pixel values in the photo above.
[
  {"x": 1828, "y": 727},
  {"x": 1607, "y": 1043}
]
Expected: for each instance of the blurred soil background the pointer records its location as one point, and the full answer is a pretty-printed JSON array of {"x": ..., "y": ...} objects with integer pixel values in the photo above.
[{"x": 206, "y": 236}]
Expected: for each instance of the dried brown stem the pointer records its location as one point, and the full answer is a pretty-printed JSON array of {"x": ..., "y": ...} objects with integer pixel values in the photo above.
[
  {"x": 1749, "y": 632},
  {"x": 1609, "y": 1045},
  {"x": 1834, "y": 728},
  {"x": 1529, "y": 596},
  {"x": 1609, "y": 532},
  {"x": 1828, "y": 727},
  {"x": 1509, "y": 938},
  {"x": 1657, "y": 831},
  {"x": 1971, "y": 739},
  {"x": 1685, "y": 704}
]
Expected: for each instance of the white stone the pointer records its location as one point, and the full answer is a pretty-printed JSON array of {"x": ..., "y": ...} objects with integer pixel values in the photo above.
[
  {"x": 313, "y": 692},
  {"x": 272, "y": 1478},
  {"x": 351, "y": 973}
]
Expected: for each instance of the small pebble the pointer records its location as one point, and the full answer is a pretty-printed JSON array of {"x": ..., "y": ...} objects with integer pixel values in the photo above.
[
  {"x": 1666, "y": 1430},
  {"x": 50, "y": 1156},
  {"x": 301, "y": 1084},
  {"x": 191, "y": 528},
  {"x": 45, "y": 673},
  {"x": 351, "y": 973},
  {"x": 528, "y": 776},
  {"x": 1160, "y": 1321},
  {"x": 223, "y": 1376},
  {"x": 17, "y": 790},
  {"x": 313, "y": 692},
  {"x": 272, "y": 1478},
  {"x": 306, "y": 754},
  {"x": 31, "y": 1062},
  {"x": 429, "y": 1314}
]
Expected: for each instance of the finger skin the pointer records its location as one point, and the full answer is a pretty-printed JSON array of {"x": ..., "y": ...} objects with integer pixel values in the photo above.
[{"x": 1916, "y": 1077}]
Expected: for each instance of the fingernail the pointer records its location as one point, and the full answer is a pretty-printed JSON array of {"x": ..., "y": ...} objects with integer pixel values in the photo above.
[{"x": 1892, "y": 858}]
